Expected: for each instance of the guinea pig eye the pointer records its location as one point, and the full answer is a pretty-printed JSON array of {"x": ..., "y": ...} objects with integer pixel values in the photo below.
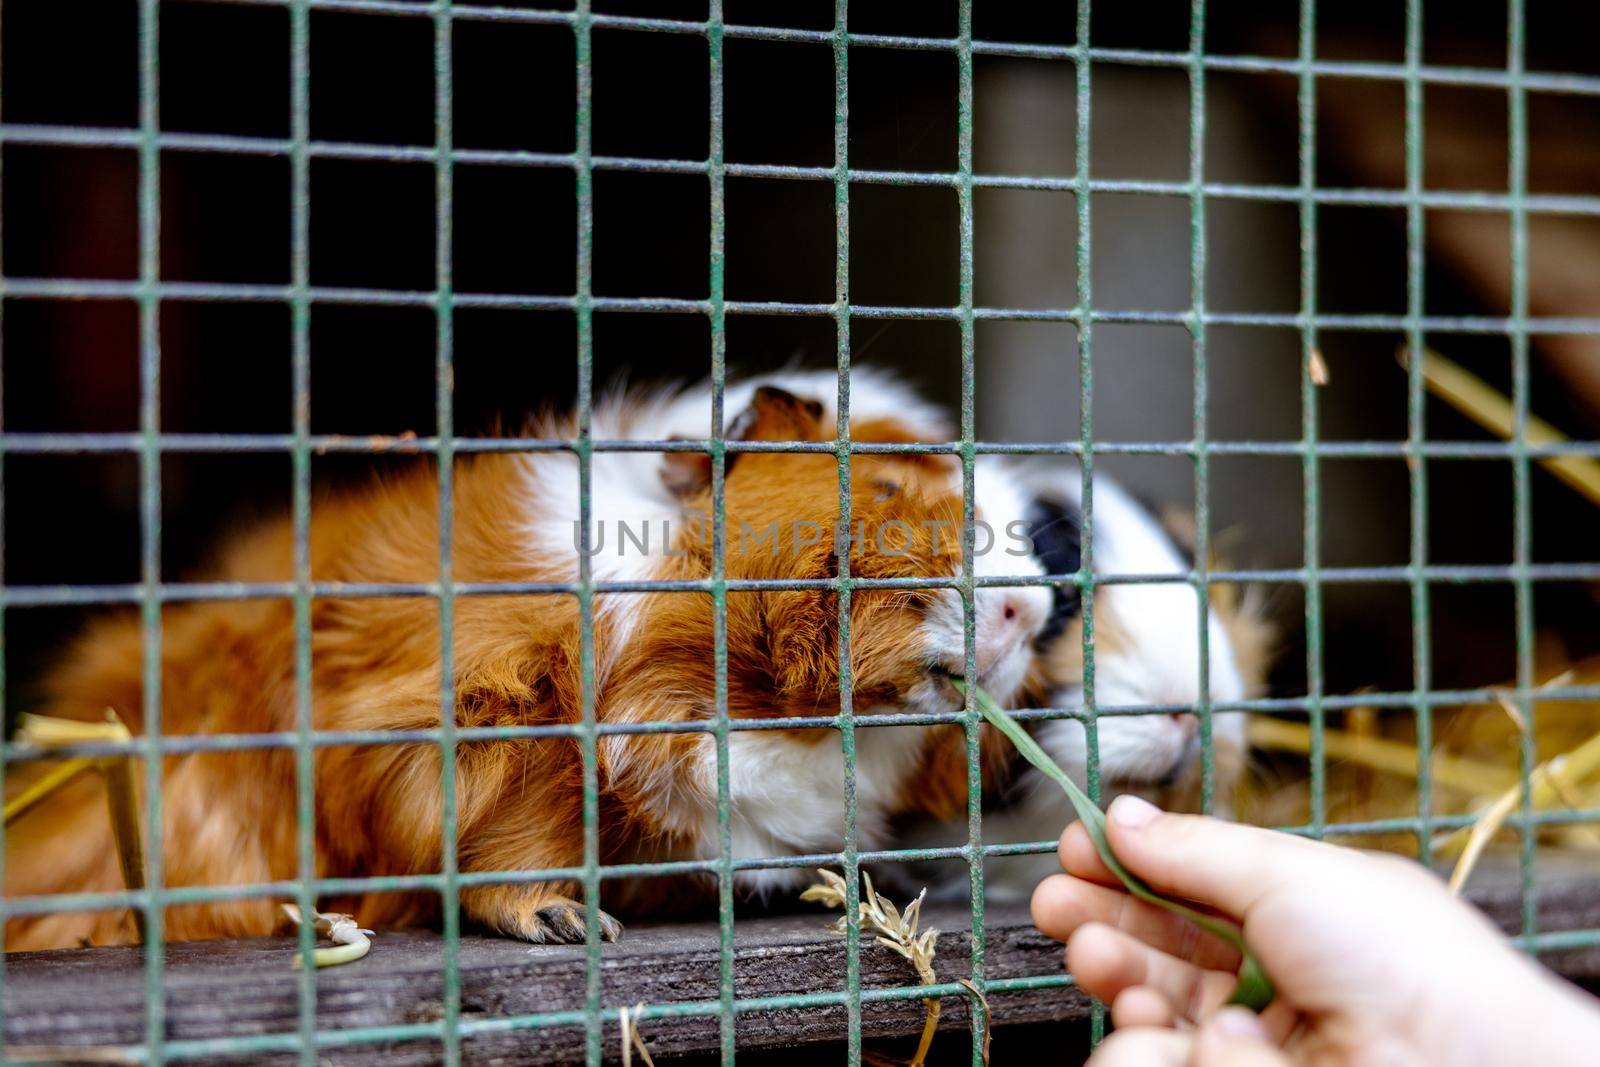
[{"x": 885, "y": 489}]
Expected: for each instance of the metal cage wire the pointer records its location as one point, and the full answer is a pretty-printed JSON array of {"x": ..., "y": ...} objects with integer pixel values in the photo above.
[{"x": 149, "y": 445}]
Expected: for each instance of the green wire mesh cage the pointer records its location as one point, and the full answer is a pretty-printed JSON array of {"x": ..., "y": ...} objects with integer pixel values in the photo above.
[{"x": 455, "y": 1024}]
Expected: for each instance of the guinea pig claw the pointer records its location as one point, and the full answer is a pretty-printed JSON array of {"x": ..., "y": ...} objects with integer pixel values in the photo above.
[{"x": 563, "y": 924}]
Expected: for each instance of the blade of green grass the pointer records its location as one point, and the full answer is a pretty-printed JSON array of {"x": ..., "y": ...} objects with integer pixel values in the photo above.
[{"x": 1254, "y": 990}]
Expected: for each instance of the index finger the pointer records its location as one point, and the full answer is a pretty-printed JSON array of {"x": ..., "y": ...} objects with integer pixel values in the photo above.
[
  {"x": 1220, "y": 864},
  {"x": 1061, "y": 904},
  {"x": 1080, "y": 859}
]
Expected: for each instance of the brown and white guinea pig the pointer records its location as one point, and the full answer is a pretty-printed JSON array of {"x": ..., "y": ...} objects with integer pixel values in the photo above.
[
  {"x": 1146, "y": 653},
  {"x": 788, "y": 799},
  {"x": 228, "y": 668}
]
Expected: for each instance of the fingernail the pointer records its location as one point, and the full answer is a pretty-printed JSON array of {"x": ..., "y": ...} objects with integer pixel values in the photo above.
[
  {"x": 1131, "y": 812},
  {"x": 1239, "y": 1023}
]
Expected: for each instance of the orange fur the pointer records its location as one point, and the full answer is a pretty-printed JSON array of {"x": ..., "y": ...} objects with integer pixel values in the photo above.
[{"x": 229, "y": 817}]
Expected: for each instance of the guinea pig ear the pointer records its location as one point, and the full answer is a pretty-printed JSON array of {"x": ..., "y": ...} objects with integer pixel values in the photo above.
[
  {"x": 773, "y": 415},
  {"x": 778, "y": 415}
]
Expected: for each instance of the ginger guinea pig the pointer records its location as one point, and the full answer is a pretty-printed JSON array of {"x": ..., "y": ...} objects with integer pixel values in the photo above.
[{"x": 229, "y": 817}]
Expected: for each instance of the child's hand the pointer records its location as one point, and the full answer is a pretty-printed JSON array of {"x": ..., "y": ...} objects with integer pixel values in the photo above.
[{"x": 1373, "y": 961}]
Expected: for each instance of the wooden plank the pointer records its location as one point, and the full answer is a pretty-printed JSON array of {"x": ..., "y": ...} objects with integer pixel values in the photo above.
[
  {"x": 95, "y": 997},
  {"x": 214, "y": 989}
]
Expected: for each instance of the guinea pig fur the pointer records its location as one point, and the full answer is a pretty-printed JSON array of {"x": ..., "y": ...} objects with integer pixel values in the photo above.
[{"x": 229, "y": 668}]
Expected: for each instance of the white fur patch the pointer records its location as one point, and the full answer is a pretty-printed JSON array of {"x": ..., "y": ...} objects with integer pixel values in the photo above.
[{"x": 787, "y": 795}]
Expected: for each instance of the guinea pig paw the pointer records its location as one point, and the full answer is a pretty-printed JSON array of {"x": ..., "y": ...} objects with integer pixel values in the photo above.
[
  {"x": 610, "y": 929},
  {"x": 562, "y": 923}
]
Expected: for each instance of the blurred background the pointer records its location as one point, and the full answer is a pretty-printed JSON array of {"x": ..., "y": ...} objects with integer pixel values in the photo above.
[{"x": 70, "y": 212}]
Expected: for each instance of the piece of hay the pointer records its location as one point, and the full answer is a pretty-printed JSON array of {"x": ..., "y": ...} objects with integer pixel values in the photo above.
[
  {"x": 122, "y": 788},
  {"x": 988, "y": 1031},
  {"x": 1317, "y": 367},
  {"x": 351, "y": 942},
  {"x": 1479, "y": 401},
  {"x": 1492, "y": 818},
  {"x": 893, "y": 929},
  {"x": 628, "y": 1021},
  {"x": 1394, "y": 757},
  {"x": 71, "y": 1054},
  {"x": 1546, "y": 786},
  {"x": 56, "y": 778}
]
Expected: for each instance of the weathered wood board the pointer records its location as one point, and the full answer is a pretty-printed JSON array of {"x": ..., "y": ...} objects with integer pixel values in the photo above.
[{"x": 96, "y": 997}]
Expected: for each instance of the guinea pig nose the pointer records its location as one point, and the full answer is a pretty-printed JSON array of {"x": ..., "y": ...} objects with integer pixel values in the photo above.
[{"x": 1013, "y": 606}]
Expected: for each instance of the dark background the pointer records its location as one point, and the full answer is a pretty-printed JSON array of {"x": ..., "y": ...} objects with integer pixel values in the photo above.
[{"x": 71, "y": 212}]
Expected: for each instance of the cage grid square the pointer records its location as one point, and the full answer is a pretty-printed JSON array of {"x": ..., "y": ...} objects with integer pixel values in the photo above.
[{"x": 150, "y": 443}]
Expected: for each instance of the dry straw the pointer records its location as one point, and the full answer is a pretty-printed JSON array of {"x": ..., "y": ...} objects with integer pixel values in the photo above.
[
  {"x": 122, "y": 788},
  {"x": 1556, "y": 781},
  {"x": 1471, "y": 738},
  {"x": 628, "y": 1023},
  {"x": 1490, "y": 409},
  {"x": 893, "y": 929}
]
